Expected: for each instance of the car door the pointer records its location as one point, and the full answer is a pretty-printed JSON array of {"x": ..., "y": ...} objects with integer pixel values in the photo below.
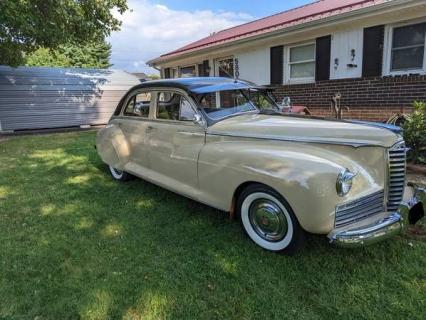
[
  {"x": 175, "y": 141},
  {"x": 133, "y": 122}
]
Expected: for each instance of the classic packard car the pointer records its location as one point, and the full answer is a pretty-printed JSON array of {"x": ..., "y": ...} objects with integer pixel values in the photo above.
[{"x": 222, "y": 142}]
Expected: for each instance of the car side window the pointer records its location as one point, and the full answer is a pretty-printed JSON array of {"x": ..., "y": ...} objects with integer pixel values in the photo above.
[
  {"x": 138, "y": 105},
  {"x": 174, "y": 106}
]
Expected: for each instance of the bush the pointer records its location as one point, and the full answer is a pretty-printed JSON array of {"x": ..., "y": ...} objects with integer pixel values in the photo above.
[{"x": 415, "y": 133}]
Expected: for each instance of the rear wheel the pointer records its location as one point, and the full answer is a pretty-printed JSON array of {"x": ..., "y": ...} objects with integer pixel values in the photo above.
[
  {"x": 268, "y": 219},
  {"x": 119, "y": 175}
]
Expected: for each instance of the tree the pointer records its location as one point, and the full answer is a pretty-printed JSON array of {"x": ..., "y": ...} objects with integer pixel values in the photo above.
[
  {"x": 26, "y": 25},
  {"x": 91, "y": 55},
  {"x": 44, "y": 57},
  {"x": 154, "y": 76}
]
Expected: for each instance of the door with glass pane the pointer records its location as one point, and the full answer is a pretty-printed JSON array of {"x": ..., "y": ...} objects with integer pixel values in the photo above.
[
  {"x": 225, "y": 67},
  {"x": 175, "y": 141}
]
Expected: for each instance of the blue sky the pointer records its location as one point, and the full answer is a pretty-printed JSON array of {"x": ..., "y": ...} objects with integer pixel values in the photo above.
[
  {"x": 154, "y": 27},
  {"x": 255, "y": 8}
]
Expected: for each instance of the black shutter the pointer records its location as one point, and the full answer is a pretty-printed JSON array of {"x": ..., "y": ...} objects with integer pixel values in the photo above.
[
  {"x": 204, "y": 69},
  {"x": 373, "y": 51},
  {"x": 167, "y": 73},
  {"x": 277, "y": 66},
  {"x": 201, "y": 70},
  {"x": 322, "y": 57}
]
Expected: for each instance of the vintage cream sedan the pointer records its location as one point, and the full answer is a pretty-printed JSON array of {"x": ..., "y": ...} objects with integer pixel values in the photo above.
[{"x": 222, "y": 142}]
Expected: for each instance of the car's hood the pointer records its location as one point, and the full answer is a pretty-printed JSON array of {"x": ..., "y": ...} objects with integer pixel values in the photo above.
[{"x": 304, "y": 129}]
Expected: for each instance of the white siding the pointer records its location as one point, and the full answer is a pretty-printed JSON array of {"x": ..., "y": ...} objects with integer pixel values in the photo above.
[
  {"x": 254, "y": 65},
  {"x": 341, "y": 45}
]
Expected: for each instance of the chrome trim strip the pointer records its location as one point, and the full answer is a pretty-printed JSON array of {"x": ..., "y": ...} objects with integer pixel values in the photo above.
[
  {"x": 380, "y": 230},
  {"x": 359, "y": 209},
  {"x": 295, "y": 139}
]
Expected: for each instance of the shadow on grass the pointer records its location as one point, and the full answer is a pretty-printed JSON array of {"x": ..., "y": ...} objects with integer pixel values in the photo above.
[{"x": 76, "y": 244}]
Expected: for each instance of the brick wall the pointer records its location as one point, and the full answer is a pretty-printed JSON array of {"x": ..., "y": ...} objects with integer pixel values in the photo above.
[{"x": 373, "y": 98}]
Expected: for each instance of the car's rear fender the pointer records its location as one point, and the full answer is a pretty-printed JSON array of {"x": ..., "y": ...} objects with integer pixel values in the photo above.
[{"x": 113, "y": 146}]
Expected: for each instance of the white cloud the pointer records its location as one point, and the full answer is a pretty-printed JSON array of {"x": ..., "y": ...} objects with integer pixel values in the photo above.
[{"x": 150, "y": 30}]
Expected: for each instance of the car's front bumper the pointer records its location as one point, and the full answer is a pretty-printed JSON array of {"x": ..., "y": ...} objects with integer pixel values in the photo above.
[{"x": 384, "y": 226}]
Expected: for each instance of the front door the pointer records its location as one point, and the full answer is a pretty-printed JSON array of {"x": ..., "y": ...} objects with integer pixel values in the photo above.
[{"x": 174, "y": 142}]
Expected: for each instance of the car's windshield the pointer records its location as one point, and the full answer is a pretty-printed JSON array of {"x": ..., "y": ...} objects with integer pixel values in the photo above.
[
  {"x": 222, "y": 104},
  {"x": 262, "y": 100}
]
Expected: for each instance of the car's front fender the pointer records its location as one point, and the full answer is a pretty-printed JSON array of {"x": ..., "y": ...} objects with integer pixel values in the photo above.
[{"x": 305, "y": 174}]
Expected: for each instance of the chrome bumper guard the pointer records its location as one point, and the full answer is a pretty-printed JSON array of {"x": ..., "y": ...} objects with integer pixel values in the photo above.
[{"x": 389, "y": 225}]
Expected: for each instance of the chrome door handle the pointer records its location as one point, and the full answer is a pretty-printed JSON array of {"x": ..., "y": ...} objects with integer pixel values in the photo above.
[{"x": 188, "y": 133}]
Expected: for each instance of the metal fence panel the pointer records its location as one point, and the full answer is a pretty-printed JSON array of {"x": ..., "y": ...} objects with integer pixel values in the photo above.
[{"x": 44, "y": 98}]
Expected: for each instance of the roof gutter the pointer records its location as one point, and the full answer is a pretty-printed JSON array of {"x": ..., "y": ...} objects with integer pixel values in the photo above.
[{"x": 311, "y": 24}]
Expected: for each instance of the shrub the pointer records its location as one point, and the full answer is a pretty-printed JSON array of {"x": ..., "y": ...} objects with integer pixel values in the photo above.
[{"x": 415, "y": 133}]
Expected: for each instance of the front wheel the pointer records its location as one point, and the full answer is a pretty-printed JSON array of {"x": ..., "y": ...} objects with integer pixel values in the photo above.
[
  {"x": 119, "y": 175},
  {"x": 268, "y": 220}
]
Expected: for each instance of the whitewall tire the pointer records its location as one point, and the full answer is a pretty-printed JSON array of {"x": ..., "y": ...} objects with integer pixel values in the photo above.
[
  {"x": 268, "y": 219},
  {"x": 119, "y": 175}
]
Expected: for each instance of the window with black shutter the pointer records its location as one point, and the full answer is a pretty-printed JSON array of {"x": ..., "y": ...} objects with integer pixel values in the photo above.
[{"x": 277, "y": 66}]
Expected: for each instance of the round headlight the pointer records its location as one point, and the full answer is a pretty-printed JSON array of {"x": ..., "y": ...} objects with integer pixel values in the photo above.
[{"x": 344, "y": 182}]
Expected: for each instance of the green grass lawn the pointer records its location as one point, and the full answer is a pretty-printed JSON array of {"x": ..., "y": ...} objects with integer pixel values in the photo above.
[{"x": 74, "y": 244}]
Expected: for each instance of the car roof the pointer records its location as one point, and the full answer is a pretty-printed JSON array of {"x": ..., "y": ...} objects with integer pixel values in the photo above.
[{"x": 200, "y": 85}]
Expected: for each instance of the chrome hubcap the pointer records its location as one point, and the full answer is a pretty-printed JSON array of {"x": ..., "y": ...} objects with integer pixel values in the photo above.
[{"x": 268, "y": 220}]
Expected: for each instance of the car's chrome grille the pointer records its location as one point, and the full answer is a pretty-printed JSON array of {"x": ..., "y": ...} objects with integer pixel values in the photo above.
[
  {"x": 359, "y": 209},
  {"x": 396, "y": 175}
]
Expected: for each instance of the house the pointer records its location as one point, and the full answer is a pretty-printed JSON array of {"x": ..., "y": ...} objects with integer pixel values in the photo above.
[
  {"x": 33, "y": 98},
  {"x": 142, "y": 76},
  {"x": 372, "y": 52}
]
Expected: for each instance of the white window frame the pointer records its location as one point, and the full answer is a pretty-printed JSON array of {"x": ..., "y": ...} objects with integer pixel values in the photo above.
[
  {"x": 387, "y": 50},
  {"x": 287, "y": 64},
  {"x": 174, "y": 72},
  {"x": 188, "y": 66}
]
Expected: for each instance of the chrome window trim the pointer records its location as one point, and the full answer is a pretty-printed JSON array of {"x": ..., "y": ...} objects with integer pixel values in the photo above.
[
  {"x": 183, "y": 93},
  {"x": 130, "y": 96},
  {"x": 294, "y": 139}
]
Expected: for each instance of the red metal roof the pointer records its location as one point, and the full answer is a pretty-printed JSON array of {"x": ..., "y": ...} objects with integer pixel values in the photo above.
[{"x": 310, "y": 12}]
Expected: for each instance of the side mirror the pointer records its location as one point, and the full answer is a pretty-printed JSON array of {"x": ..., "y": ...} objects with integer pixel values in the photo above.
[{"x": 197, "y": 119}]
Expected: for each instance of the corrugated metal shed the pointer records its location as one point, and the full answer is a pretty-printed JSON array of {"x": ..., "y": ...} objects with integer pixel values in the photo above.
[{"x": 41, "y": 98}]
